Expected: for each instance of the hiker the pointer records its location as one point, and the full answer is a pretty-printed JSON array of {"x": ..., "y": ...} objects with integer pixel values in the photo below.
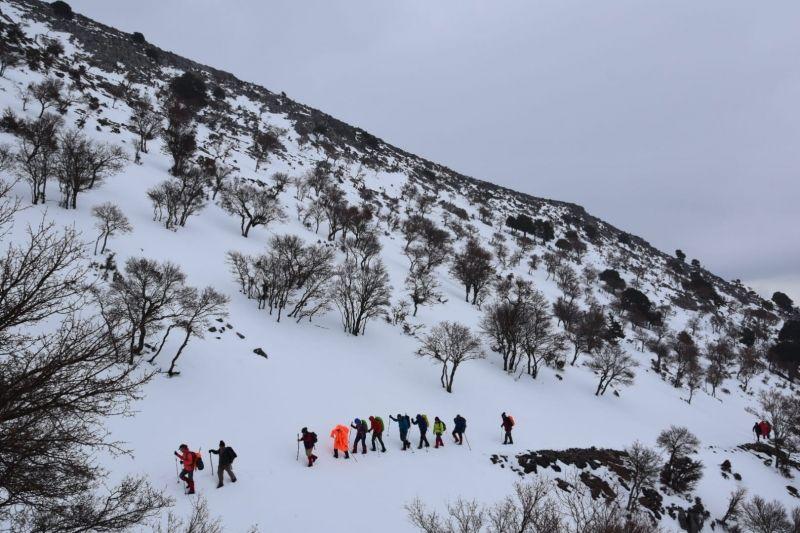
[
  {"x": 404, "y": 423},
  {"x": 309, "y": 439},
  {"x": 341, "y": 441},
  {"x": 188, "y": 461},
  {"x": 226, "y": 457},
  {"x": 421, "y": 421},
  {"x": 376, "y": 427},
  {"x": 765, "y": 428},
  {"x": 459, "y": 429},
  {"x": 361, "y": 435},
  {"x": 507, "y": 424},
  {"x": 439, "y": 428},
  {"x": 757, "y": 431}
]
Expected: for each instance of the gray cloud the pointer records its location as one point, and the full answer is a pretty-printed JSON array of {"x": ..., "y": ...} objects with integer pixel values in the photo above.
[{"x": 677, "y": 121}]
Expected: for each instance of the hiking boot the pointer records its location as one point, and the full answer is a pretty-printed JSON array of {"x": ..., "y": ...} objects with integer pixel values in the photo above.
[
  {"x": 233, "y": 480},
  {"x": 219, "y": 485},
  {"x": 190, "y": 492},
  {"x": 346, "y": 455}
]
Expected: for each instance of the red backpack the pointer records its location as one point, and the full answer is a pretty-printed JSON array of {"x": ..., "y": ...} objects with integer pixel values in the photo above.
[{"x": 511, "y": 419}]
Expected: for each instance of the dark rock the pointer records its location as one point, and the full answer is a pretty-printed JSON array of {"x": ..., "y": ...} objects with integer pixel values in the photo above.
[
  {"x": 212, "y": 329},
  {"x": 259, "y": 351}
]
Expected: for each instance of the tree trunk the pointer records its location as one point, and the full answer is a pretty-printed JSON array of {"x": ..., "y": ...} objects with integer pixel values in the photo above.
[
  {"x": 171, "y": 371},
  {"x": 163, "y": 341}
]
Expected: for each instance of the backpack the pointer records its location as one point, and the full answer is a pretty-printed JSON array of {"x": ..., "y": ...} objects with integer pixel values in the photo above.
[
  {"x": 511, "y": 419},
  {"x": 230, "y": 455},
  {"x": 198, "y": 460},
  {"x": 313, "y": 438},
  {"x": 427, "y": 424},
  {"x": 379, "y": 424}
]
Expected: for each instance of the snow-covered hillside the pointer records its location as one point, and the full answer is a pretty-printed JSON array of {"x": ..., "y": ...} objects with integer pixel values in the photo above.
[{"x": 315, "y": 374}]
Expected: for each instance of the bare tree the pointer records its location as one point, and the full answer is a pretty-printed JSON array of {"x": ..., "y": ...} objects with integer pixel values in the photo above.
[
  {"x": 254, "y": 205},
  {"x": 735, "y": 501},
  {"x": 199, "y": 521},
  {"x": 451, "y": 344},
  {"x": 614, "y": 367},
  {"x": 644, "y": 466},
  {"x": 265, "y": 143},
  {"x": 422, "y": 287},
  {"x": 146, "y": 294},
  {"x": 462, "y": 517},
  {"x": 80, "y": 164},
  {"x": 586, "y": 333},
  {"x": 529, "y": 510},
  {"x": 680, "y": 472},
  {"x": 695, "y": 375},
  {"x": 180, "y": 197},
  {"x": 750, "y": 365},
  {"x": 180, "y": 135},
  {"x": 36, "y": 156},
  {"x": 761, "y": 516},
  {"x": 197, "y": 309},
  {"x": 473, "y": 268},
  {"x": 782, "y": 411},
  {"x": 47, "y": 92},
  {"x": 145, "y": 122},
  {"x": 110, "y": 221},
  {"x": 61, "y": 377},
  {"x": 290, "y": 276},
  {"x": 361, "y": 294}
]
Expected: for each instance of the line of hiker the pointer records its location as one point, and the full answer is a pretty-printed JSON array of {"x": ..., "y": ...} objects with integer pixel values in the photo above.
[
  {"x": 375, "y": 425},
  {"x": 762, "y": 429},
  {"x": 191, "y": 461}
]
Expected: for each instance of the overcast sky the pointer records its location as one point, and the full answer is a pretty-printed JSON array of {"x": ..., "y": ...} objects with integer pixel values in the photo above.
[{"x": 676, "y": 120}]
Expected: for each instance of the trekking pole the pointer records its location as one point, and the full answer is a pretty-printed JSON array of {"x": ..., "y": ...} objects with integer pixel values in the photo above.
[
  {"x": 177, "y": 474},
  {"x": 389, "y": 428},
  {"x": 211, "y": 460},
  {"x": 298, "y": 448},
  {"x": 468, "y": 446}
]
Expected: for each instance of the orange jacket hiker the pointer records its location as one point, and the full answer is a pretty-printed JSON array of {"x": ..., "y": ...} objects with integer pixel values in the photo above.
[{"x": 341, "y": 438}]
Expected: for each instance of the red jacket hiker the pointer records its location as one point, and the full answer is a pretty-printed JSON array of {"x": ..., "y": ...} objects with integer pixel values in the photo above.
[
  {"x": 765, "y": 428},
  {"x": 188, "y": 460}
]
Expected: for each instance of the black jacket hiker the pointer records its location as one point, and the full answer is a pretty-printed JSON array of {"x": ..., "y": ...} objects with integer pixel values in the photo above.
[
  {"x": 422, "y": 424},
  {"x": 226, "y": 457},
  {"x": 507, "y": 424},
  {"x": 460, "y": 426},
  {"x": 309, "y": 439},
  {"x": 361, "y": 435}
]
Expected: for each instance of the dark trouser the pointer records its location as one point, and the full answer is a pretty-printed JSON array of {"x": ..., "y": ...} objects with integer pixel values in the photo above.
[
  {"x": 188, "y": 477},
  {"x": 404, "y": 438},
  {"x": 221, "y": 469},
  {"x": 458, "y": 435},
  {"x": 379, "y": 437},
  {"x": 439, "y": 441},
  {"x": 423, "y": 437},
  {"x": 363, "y": 440},
  {"x": 336, "y": 454},
  {"x": 310, "y": 455},
  {"x": 508, "y": 439}
]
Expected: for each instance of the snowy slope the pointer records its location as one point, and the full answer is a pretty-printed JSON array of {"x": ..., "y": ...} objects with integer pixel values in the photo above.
[{"x": 318, "y": 376}]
